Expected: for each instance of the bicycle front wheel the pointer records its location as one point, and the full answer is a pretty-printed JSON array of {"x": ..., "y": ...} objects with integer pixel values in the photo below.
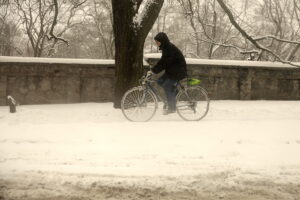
[
  {"x": 139, "y": 104},
  {"x": 192, "y": 103}
]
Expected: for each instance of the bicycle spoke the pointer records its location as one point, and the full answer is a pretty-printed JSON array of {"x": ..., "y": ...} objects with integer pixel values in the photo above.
[
  {"x": 192, "y": 103},
  {"x": 144, "y": 103}
]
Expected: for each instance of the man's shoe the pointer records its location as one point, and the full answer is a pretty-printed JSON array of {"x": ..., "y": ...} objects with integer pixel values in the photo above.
[{"x": 166, "y": 112}]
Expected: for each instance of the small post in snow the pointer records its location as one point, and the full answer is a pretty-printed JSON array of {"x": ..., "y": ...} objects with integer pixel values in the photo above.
[{"x": 12, "y": 104}]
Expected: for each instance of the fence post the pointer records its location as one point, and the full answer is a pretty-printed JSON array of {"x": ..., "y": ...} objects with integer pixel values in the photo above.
[{"x": 12, "y": 104}]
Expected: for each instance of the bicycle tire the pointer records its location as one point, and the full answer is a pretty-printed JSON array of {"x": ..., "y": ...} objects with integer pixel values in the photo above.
[
  {"x": 192, "y": 103},
  {"x": 139, "y": 104}
]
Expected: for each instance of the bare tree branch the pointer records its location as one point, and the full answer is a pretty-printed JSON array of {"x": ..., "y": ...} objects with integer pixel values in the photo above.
[
  {"x": 248, "y": 37},
  {"x": 240, "y": 50},
  {"x": 273, "y": 37},
  {"x": 52, "y": 35},
  {"x": 79, "y": 4},
  {"x": 18, "y": 50}
]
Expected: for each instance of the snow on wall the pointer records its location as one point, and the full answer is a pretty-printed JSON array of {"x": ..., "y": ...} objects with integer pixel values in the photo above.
[
  {"x": 242, "y": 63},
  {"x": 100, "y": 62},
  {"x": 11, "y": 59},
  {"x": 191, "y": 61}
]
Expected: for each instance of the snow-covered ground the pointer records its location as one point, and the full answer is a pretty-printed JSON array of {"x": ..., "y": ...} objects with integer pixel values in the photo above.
[{"x": 238, "y": 140}]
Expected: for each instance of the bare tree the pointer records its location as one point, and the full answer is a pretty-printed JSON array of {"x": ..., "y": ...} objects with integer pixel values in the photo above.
[
  {"x": 278, "y": 19},
  {"x": 256, "y": 40},
  {"x": 189, "y": 11},
  {"x": 99, "y": 25},
  {"x": 9, "y": 30},
  {"x": 210, "y": 31},
  {"x": 33, "y": 15},
  {"x": 67, "y": 24},
  {"x": 132, "y": 21},
  {"x": 164, "y": 23},
  {"x": 40, "y": 18}
]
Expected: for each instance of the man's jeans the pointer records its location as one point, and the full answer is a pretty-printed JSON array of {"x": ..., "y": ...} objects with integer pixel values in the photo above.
[{"x": 169, "y": 85}]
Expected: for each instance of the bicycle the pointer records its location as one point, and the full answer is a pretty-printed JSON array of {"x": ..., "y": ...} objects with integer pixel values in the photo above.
[{"x": 141, "y": 103}]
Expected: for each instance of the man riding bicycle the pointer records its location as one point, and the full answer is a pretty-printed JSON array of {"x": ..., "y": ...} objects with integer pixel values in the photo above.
[{"x": 174, "y": 64}]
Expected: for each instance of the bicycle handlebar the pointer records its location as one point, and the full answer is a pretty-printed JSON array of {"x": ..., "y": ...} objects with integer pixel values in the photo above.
[{"x": 146, "y": 78}]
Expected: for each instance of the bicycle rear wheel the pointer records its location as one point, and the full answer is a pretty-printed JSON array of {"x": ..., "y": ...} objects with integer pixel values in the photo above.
[
  {"x": 192, "y": 103},
  {"x": 139, "y": 104}
]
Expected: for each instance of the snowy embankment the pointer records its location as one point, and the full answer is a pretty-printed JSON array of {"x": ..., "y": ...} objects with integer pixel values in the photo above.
[{"x": 243, "y": 139}]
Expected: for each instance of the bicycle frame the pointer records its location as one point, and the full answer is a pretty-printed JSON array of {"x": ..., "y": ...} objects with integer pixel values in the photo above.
[{"x": 147, "y": 86}]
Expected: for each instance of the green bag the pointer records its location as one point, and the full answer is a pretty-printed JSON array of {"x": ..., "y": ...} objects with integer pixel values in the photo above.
[{"x": 193, "y": 81}]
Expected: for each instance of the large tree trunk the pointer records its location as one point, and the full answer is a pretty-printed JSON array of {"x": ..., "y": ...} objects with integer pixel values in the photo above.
[
  {"x": 130, "y": 35},
  {"x": 128, "y": 64}
]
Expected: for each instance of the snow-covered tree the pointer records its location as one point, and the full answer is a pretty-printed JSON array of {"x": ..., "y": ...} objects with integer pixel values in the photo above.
[
  {"x": 257, "y": 41},
  {"x": 132, "y": 21},
  {"x": 44, "y": 22}
]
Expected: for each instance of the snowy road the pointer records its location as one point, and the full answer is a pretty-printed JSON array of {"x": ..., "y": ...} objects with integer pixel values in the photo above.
[{"x": 246, "y": 138}]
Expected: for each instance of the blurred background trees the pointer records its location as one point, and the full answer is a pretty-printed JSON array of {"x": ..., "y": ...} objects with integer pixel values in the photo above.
[{"x": 200, "y": 28}]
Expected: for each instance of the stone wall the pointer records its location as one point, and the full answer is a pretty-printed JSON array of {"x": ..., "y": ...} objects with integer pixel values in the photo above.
[
  {"x": 244, "y": 80},
  {"x": 244, "y": 83},
  {"x": 47, "y": 81}
]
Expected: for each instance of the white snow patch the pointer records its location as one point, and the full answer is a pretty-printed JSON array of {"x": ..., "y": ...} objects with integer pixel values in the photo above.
[
  {"x": 12, "y": 59},
  {"x": 191, "y": 61},
  {"x": 142, "y": 12},
  {"x": 242, "y": 63},
  {"x": 256, "y": 136}
]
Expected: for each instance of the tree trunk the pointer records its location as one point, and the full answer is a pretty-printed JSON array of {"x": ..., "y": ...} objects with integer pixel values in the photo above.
[
  {"x": 128, "y": 65},
  {"x": 129, "y": 42}
]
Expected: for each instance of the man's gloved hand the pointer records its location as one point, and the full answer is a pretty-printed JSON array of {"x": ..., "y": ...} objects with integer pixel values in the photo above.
[{"x": 149, "y": 73}]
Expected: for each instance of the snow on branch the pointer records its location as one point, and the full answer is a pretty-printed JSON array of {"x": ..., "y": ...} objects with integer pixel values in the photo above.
[
  {"x": 251, "y": 39},
  {"x": 143, "y": 10},
  {"x": 278, "y": 39},
  {"x": 238, "y": 49},
  {"x": 210, "y": 41},
  {"x": 51, "y": 33},
  {"x": 137, "y": 4},
  {"x": 77, "y": 3}
]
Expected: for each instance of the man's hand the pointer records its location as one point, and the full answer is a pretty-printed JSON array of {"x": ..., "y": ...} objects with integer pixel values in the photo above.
[{"x": 149, "y": 73}]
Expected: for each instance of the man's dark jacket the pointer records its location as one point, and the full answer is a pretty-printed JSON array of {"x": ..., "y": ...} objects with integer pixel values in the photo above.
[{"x": 172, "y": 60}]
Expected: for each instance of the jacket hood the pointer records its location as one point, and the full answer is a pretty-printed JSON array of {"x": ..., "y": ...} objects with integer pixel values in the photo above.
[{"x": 162, "y": 38}]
